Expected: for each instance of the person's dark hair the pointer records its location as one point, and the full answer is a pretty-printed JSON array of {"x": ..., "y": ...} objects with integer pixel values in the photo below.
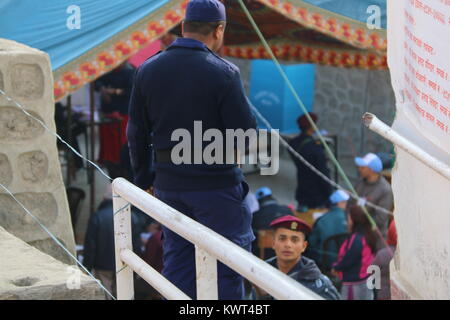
[
  {"x": 200, "y": 27},
  {"x": 303, "y": 122},
  {"x": 361, "y": 225}
]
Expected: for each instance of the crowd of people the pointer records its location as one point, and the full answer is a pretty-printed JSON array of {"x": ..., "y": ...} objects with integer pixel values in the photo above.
[
  {"x": 337, "y": 248},
  {"x": 329, "y": 255}
]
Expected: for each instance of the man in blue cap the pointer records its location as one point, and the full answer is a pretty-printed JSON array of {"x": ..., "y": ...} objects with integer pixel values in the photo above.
[
  {"x": 332, "y": 223},
  {"x": 188, "y": 82},
  {"x": 375, "y": 188}
]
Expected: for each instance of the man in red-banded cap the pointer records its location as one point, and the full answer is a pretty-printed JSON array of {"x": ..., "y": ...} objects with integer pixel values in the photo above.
[{"x": 289, "y": 242}]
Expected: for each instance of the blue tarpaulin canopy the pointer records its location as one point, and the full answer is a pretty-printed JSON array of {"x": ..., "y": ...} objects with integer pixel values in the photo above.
[
  {"x": 353, "y": 9},
  {"x": 87, "y": 38},
  {"x": 43, "y": 24},
  {"x": 332, "y": 32}
]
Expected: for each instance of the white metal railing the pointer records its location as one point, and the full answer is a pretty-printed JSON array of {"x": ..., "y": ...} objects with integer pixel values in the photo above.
[
  {"x": 376, "y": 125},
  {"x": 209, "y": 247}
]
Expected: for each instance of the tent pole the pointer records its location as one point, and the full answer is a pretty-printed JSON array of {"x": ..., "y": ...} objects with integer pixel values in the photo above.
[
  {"x": 69, "y": 139},
  {"x": 92, "y": 125}
]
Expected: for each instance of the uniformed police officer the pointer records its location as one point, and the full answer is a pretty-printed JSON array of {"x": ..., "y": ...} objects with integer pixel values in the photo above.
[
  {"x": 188, "y": 82},
  {"x": 312, "y": 191},
  {"x": 289, "y": 243}
]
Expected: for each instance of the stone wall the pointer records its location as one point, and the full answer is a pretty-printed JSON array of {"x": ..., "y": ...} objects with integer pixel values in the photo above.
[
  {"x": 29, "y": 164},
  {"x": 29, "y": 274},
  {"x": 341, "y": 97}
]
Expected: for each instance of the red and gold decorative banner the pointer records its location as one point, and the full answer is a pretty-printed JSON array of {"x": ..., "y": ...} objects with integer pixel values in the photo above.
[
  {"x": 105, "y": 57},
  {"x": 311, "y": 54},
  {"x": 350, "y": 31}
]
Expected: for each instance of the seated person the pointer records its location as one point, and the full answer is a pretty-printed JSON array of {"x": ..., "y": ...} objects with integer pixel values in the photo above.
[
  {"x": 382, "y": 260},
  {"x": 153, "y": 256},
  {"x": 289, "y": 243},
  {"x": 332, "y": 223},
  {"x": 269, "y": 209},
  {"x": 99, "y": 245},
  {"x": 77, "y": 128}
]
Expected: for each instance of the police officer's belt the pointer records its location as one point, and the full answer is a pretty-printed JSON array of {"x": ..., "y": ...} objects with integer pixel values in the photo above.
[{"x": 165, "y": 156}]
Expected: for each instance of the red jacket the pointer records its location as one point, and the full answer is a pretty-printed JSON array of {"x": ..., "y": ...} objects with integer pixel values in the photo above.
[{"x": 153, "y": 253}]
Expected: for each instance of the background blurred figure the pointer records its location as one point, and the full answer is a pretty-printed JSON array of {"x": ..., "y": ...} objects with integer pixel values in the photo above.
[
  {"x": 374, "y": 187},
  {"x": 153, "y": 255},
  {"x": 77, "y": 128},
  {"x": 99, "y": 251},
  {"x": 252, "y": 202},
  {"x": 312, "y": 191},
  {"x": 115, "y": 89},
  {"x": 269, "y": 210},
  {"x": 355, "y": 256},
  {"x": 332, "y": 223},
  {"x": 382, "y": 260}
]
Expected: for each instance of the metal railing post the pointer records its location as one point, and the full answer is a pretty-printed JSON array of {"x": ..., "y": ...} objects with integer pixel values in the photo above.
[
  {"x": 376, "y": 125},
  {"x": 210, "y": 248},
  {"x": 123, "y": 240},
  {"x": 206, "y": 267}
]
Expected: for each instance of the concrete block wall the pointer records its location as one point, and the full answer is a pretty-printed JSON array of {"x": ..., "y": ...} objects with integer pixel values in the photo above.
[
  {"x": 29, "y": 164},
  {"x": 28, "y": 274}
]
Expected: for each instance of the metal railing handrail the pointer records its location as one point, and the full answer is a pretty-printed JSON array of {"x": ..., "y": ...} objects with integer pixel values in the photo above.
[
  {"x": 209, "y": 246},
  {"x": 373, "y": 123}
]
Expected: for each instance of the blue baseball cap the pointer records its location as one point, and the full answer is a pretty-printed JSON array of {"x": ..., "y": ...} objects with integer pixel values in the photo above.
[
  {"x": 205, "y": 11},
  {"x": 339, "y": 196},
  {"x": 263, "y": 192},
  {"x": 370, "y": 160}
]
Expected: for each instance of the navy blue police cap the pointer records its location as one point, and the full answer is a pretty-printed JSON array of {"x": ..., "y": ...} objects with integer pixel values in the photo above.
[{"x": 205, "y": 11}]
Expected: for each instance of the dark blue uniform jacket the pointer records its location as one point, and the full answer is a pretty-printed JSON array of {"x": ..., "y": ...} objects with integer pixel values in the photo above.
[
  {"x": 185, "y": 83},
  {"x": 308, "y": 274}
]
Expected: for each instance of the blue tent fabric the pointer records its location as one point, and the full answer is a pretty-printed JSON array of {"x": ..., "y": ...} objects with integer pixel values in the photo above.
[
  {"x": 354, "y": 9},
  {"x": 43, "y": 24}
]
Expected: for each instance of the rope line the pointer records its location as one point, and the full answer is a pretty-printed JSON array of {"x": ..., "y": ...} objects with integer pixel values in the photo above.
[
  {"x": 305, "y": 111},
  {"x": 310, "y": 166},
  {"x": 17, "y": 104},
  {"x": 56, "y": 240}
]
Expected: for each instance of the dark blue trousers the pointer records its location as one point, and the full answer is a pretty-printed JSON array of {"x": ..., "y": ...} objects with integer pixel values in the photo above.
[{"x": 223, "y": 211}]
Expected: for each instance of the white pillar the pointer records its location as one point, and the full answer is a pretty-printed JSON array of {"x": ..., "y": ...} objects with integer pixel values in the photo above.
[
  {"x": 123, "y": 240},
  {"x": 206, "y": 267}
]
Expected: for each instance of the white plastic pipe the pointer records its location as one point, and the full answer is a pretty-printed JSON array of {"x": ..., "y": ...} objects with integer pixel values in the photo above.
[
  {"x": 206, "y": 269},
  {"x": 153, "y": 277},
  {"x": 122, "y": 241},
  {"x": 376, "y": 125},
  {"x": 271, "y": 280}
]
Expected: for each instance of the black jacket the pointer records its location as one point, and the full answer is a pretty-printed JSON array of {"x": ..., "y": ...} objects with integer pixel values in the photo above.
[
  {"x": 99, "y": 252},
  {"x": 268, "y": 211},
  {"x": 117, "y": 79},
  {"x": 312, "y": 191}
]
